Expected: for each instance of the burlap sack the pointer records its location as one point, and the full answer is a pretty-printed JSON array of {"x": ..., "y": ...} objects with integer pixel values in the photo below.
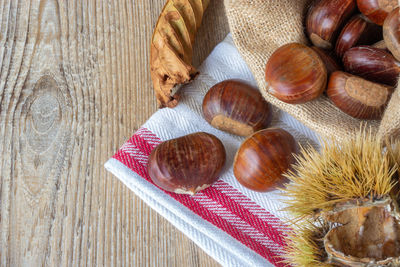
[{"x": 259, "y": 27}]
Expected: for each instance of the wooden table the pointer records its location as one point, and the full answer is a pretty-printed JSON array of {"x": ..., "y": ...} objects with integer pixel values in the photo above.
[{"x": 74, "y": 85}]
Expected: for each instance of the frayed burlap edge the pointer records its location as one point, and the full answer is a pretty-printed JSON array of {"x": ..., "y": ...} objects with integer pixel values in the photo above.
[{"x": 390, "y": 125}]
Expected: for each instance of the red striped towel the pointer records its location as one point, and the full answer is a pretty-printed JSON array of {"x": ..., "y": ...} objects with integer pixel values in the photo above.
[{"x": 236, "y": 226}]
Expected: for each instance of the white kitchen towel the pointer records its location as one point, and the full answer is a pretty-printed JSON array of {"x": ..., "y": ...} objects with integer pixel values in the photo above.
[{"x": 236, "y": 226}]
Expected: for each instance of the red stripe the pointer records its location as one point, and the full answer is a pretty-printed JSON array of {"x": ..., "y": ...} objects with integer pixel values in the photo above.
[
  {"x": 146, "y": 135},
  {"x": 145, "y": 147},
  {"x": 251, "y": 206},
  {"x": 131, "y": 162},
  {"x": 206, "y": 214},
  {"x": 147, "y": 141},
  {"x": 245, "y": 215},
  {"x": 225, "y": 225}
]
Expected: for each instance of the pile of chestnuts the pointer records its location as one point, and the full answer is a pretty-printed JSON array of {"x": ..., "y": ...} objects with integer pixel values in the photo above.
[
  {"x": 296, "y": 74},
  {"x": 193, "y": 162},
  {"x": 354, "y": 58}
]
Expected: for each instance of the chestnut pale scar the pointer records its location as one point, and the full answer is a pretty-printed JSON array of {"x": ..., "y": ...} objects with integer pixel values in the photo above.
[
  {"x": 368, "y": 93},
  {"x": 315, "y": 39},
  {"x": 227, "y": 124},
  {"x": 388, "y": 5}
]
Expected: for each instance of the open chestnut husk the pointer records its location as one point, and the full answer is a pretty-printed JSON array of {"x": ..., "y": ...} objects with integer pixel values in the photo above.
[
  {"x": 391, "y": 32},
  {"x": 358, "y": 31},
  {"x": 295, "y": 74},
  {"x": 374, "y": 228},
  {"x": 373, "y": 64},
  {"x": 236, "y": 107},
  {"x": 358, "y": 97},
  {"x": 325, "y": 19},
  {"x": 263, "y": 158},
  {"x": 187, "y": 164},
  {"x": 345, "y": 203},
  {"x": 377, "y": 10}
]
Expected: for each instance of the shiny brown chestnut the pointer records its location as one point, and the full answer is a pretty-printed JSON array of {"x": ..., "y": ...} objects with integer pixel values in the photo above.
[
  {"x": 372, "y": 64},
  {"x": 187, "y": 164},
  {"x": 295, "y": 74},
  {"x": 358, "y": 31},
  {"x": 391, "y": 32},
  {"x": 329, "y": 60},
  {"x": 358, "y": 97},
  {"x": 325, "y": 19},
  {"x": 377, "y": 10},
  {"x": 263, "y": 158},
  {"x": 236, "y": 107}
]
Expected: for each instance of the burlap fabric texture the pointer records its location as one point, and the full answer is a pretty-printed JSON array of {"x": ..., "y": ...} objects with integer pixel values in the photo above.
[{"x": 259, "y": 27}]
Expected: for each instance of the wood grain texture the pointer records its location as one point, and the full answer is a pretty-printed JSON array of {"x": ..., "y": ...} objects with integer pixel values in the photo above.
[{"x": 74, "y": 85}]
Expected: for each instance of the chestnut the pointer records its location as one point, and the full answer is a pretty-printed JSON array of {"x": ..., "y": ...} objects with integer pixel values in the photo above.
[
  {"x": 381, "y": 44},
  {"x": 358, "y": 31},
  {"x": 325, "y": 19},
  {"x": 358, "y": 97},
  {"x": 236, "y": 107},
  {"x": 263, "y": 158},
  {"x": 377, "y": 10},
  {"x": 373, "y": 64},
  {"x": 329, "y": 60},
  {"x": 187, "y": 164},
  {"x": 391, "y": 32},
  {"x": 295, "y": 74}
]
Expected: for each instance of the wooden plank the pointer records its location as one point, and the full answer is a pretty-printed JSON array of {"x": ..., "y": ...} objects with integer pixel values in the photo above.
[{"x": 74, "y": 85}]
